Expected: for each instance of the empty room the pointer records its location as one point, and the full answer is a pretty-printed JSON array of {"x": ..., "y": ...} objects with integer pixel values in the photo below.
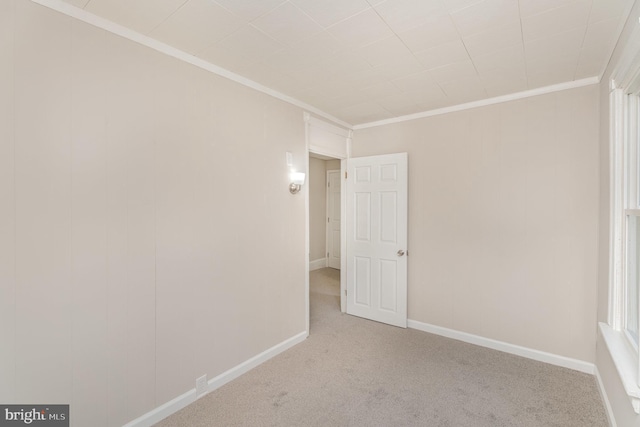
[{"x": 320, "y": 212}]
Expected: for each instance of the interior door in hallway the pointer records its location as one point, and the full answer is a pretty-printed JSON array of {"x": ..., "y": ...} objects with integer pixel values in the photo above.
[
  {"x": 376, "y": 221},
  {"x": 333, "y": 218}
]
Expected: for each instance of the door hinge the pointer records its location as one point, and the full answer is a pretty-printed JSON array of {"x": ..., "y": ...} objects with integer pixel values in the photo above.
[
  {"x": 345, "y": 292},
  {"x": 327, "y": 254},
  {"x": 328, "y": 219},
  {"x": 345, "y": 174}
]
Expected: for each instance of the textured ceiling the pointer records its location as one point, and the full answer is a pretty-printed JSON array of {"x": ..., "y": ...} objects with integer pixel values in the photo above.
[{"x": 368, "y": 60}]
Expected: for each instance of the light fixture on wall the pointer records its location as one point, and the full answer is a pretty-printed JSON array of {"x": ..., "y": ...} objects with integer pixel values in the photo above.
[{"x": 297, "y": 180}]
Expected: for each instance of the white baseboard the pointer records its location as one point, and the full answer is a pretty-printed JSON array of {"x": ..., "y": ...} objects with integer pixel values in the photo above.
[
  {"x": 317, "y": 264},
  {"x": 173, "y": 406},
  {"x": 605, "y": 399},
  {"x": 529, "y": 353},
  {"x": 163, "y": 411},
  {"x": 234, "y": 373}
]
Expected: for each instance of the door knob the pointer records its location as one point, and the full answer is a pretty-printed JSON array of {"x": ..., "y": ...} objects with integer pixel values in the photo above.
[{"x": 400, "y": 252}]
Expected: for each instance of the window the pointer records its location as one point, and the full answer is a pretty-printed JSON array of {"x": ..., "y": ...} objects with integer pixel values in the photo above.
[
  {"x": 621, "y": 334},
  {"x": 630, "y": 224}
]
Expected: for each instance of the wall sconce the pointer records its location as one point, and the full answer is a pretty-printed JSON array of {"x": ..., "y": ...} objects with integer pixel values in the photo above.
[{"x": 297, "y": 180}]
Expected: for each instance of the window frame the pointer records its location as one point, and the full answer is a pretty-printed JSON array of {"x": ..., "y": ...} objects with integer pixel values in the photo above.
[
  {"x": 629, "y": 194},
  {"x": 624, "y": 203}
]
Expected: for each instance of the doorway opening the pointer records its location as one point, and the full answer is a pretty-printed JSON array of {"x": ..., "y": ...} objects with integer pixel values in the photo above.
[
  {"x": 325, "y": 204},
  {"x": 330, "y": 143}
]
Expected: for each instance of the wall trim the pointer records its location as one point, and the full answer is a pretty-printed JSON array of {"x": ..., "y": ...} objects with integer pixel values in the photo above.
[
  {"x": 329, "y": 127},
  {"x": 625, "y": 361},
  {"x": 484, "y": 102},
  {"x": 529, "y": 353},
  {"x": 317, "y": 264},
  {"x": 605, "y": 399},
  {"x": 88, "y": 17},
  {"x": 173, "y": 406}
]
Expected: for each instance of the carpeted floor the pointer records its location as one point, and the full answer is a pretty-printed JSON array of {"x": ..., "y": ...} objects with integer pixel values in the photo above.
[{"x": 355, "y": 372}]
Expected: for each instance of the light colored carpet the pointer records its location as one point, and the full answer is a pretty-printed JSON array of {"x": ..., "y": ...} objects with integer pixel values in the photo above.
[
  {"x": 355, "y": 372},
  {"x": 325, "y": 281}
]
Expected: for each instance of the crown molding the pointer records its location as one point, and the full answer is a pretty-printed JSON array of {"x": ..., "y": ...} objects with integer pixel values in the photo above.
[
  {"x": 89, "y": 18},
  {"x": 483, "y": 102}
]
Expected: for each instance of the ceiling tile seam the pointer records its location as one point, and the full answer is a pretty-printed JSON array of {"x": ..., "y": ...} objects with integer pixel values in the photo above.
[
  {"x": 621, "y": 25},
  {"x": 584, "y": 37},
  {"x": 453, "y": 21},
  {"x": 324, "y": 28},
  {"x": 343, "y": 19},
  {"x": 469, "y": 55},
  {"x": 524, "y": 48},
  {"x": 285, "y": 46},
  {"x": 233, "y": 33},
  {"x": 209, "y": 46},
  {"x": 371, "y": 7},
  {"x": 393, "y": 32},
  {"x": 282, "y": 48},
  {"x": 374, "y": 101},
  {"x": 551, "y": 9},
  {"x": 606, "y": 19},
  {"x": 460, "y": 9},
  {"x": 168, "y": 17},
  {"x": 266, "y": 12},
  {"x": 377, "y": 101},
  {"x": 249, "y": 23},
  {"x": 163, "y": 48},
  {"x": 414, "y": 54},
  {"x": 222, "y": 6},
  {"x": 563, "y": 31},
  {"x": 263, "y": 33},
  {"x": 441, "y": 88},
  {"x": 308, "y": 16}
]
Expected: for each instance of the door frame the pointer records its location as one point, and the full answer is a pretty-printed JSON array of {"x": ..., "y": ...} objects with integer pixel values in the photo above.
[
  {"x": 342, "y": 152},
  {"x": 327, "y": 225},
  {"x": 343, "y": 236}
]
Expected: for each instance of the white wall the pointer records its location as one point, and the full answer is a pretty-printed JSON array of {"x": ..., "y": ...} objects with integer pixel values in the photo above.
[
  {"x": 332, "y": 165},
  {"x": 318, "y": 206},
  {"x": 619, "y": 400},
  {"x": 134, "y": 191},
  {"x": 503, "y": 209}
]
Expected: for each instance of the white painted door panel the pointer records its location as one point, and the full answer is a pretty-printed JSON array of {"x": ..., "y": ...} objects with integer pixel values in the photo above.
[
  {"x": 377, "y": 238},
  {"x": 333, "y": 218}
]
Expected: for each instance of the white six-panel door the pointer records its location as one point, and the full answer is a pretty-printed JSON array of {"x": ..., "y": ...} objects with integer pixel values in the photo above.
[{"x": 376, "y": 194}]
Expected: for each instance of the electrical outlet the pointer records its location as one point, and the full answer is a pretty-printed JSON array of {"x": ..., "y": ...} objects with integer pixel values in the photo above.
[{"x": 201, "y": 386}]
